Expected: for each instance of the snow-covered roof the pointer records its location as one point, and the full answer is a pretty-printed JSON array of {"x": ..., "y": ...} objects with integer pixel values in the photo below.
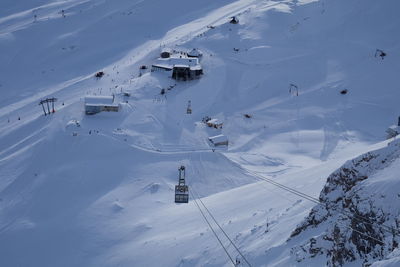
[
  {"x": 166, "y": 50},
  {"x": 91, "y": 100},
  {"x": 181, "y": 66},
  {"x": 73, "y": 124},
  {"x": 101, "y": 104},
  {"x": 163, "y": 66},
  {"x": 174, "y": 60},
  {"x": 218, "y": 139},
  {"x": 195, "y": 53},
  {"x": 215, "y": 121},
  {"x": 197, "y": 67}
]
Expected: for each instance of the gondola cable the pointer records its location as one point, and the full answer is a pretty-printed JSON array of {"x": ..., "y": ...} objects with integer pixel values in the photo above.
[
  {"x": 212, "y": 229},
  {"x": 315, "y": 200},
  {"x": 223, "y": 231}
]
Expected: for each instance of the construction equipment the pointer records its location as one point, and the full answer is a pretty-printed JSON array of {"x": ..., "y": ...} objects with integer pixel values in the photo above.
[{"x": 181, "y": 190}]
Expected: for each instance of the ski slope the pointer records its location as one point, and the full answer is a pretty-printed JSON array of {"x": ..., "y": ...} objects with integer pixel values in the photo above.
[{"x": 105, "y": 196}]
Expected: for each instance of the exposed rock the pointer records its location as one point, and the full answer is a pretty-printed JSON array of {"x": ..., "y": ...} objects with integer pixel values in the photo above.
[{"x": 353, "y": 222}]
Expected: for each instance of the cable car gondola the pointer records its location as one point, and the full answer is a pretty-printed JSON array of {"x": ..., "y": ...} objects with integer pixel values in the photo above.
[{"x": 181, "y": 189}]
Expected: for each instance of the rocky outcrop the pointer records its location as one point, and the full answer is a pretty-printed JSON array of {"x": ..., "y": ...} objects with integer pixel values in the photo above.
[{"x": 357, "y": 219}]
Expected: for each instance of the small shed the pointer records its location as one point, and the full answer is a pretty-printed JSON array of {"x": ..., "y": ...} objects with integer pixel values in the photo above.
[
  {"x": 214, "y": 123},
  {"x": 195, "y": 53},
  {"x": 219, "y": 140},
  {"x": 97, "y": 104}
]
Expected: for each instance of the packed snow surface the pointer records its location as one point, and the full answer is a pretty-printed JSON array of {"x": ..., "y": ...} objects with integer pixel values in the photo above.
[{"x": 79, "y": 190}]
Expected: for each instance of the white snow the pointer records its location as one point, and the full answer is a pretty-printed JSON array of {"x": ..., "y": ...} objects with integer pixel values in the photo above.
[
  {"x": 218, "y": 139},
  {"x": 195, "y": 53},
  {"x": 176, "y": 60},
  {"x": 99, "y": 99},
  {"x": 105, "y": 197}
]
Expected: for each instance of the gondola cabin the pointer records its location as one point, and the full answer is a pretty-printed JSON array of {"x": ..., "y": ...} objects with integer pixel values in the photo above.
[{"x": 181, "y": 189}]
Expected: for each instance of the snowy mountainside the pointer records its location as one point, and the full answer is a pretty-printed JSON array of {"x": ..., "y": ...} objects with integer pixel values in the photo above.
[
  {"x": 101, "y": 193},
  {"x": 358, "y": 219}
]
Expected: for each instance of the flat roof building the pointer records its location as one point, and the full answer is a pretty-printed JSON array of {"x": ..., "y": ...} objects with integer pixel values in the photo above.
[{"x": 97, "y": 104}]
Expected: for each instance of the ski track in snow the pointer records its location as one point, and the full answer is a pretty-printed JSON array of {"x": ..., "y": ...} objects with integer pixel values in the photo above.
[
  {"x": 180, "y": 34},
  {"x": 106, "y": 188}
]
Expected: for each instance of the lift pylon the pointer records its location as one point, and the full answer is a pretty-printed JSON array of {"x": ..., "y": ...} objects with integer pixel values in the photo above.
[{"x": 47, "y": 101}]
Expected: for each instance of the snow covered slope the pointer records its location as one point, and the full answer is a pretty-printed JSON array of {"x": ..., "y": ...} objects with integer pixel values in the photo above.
[
  {"x": 101, "y": 194},
  {"x": 357, "y": 221}
]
